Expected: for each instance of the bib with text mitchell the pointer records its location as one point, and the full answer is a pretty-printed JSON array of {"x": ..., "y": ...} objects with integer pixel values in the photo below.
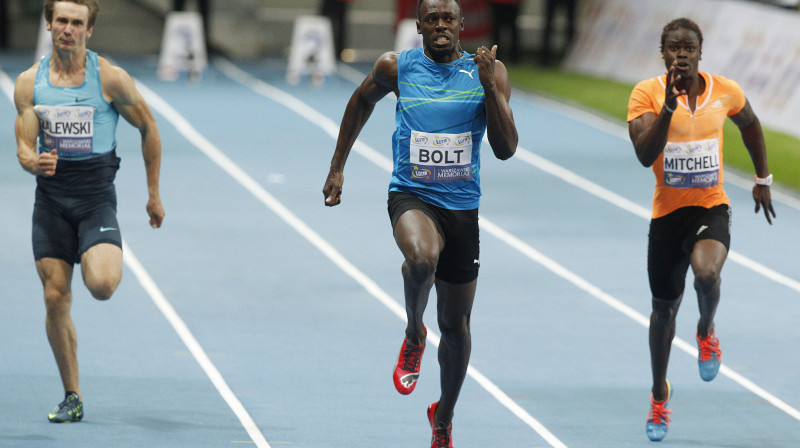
[
  {"x": 438, "y": 157},
  {"x": 692, "y": 164},
  {"x": 67, "y": 129}
]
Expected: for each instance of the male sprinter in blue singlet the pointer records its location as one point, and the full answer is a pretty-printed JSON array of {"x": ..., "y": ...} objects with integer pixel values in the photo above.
[
  {"x": 446, "y": 100},
  {"x": 71, "y": 101}
]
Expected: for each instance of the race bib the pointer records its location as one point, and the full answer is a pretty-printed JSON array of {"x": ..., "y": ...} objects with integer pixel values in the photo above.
[
  {"x": 692, "y": 164},
  {"x": 437, "y": 157},
  {"x": 67, "y": 129}
]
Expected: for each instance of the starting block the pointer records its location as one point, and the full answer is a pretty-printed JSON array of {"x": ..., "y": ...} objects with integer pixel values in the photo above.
[
  {"x": 311, "y": 52},
  {"x": 183, "y": 47}
]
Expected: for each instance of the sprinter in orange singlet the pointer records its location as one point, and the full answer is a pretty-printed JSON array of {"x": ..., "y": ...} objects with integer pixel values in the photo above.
[{"x": 675, "y": 123}]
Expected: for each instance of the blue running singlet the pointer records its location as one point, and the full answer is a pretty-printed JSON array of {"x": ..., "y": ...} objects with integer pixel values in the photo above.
[
  {"x": 76, "y": 121},
  {"x": 440, "y": 122}
]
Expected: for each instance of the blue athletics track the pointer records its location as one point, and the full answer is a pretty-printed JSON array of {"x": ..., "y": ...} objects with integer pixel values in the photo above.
[{"x": 256, "y": 316}]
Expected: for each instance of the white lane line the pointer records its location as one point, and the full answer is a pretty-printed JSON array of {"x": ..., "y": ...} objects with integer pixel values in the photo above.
[
  {"x": 7, "y": 85},
  {"x": 316, "y": 118},
  {"x": 332, "y": 129},
  {"x": 149, "y": 285},
  {"x": 194, "y": 347}
]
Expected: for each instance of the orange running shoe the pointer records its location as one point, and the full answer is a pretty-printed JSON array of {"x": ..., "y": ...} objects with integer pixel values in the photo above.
[
  {"x": 710, "y": 356},
  {"x": 658, "y": 418}
]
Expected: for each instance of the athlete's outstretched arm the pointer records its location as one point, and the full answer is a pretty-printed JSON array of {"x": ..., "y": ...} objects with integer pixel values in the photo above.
[
  {"x": 500, "y": 127},
  {"x": 753, "y": 137},
  {"x": 379, "y": 82},
  {"x": 26, "y": 128},
  {"x": 121, "y": 91}
]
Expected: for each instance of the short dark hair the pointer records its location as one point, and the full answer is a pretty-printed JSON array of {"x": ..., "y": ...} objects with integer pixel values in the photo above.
[
  {"x": 93, "y": 5},
  {"x": 458, "y": 2},
  {"x": 678, "y": 24}
]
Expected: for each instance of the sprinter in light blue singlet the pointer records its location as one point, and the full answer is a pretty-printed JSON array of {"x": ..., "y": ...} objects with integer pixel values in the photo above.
[
  {"x": 80, "y": 125},
  {"x": 75, "y": 121},
  {"x": 68, "y": 105},
  {"x": 447, "y": 100}
]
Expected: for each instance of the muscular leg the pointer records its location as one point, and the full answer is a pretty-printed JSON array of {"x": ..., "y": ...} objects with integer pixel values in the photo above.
[
  {"x": 56, "y": 276},
  {"x": 707, "y": 259},
  {"x": 454, "y": 305},
  {"x": 419, "y": 240},
  {"x": 662, "y": 331},
  {"x": 101, "y": 267}
]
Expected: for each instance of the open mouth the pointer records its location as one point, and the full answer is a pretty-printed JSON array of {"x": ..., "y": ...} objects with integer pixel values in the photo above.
[{"x": 441, "y": 40}]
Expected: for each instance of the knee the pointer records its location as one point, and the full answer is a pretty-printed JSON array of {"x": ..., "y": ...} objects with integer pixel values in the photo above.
[
  {"x": 104, "y": 289},
  {"x": 101, "y": 284},
  {"x": 665, "y": 311},
  {"x": 707, "y": 278},
  {"x": 57, "y": 301},
  {"x": 421, "y": 266},
  {"x": 454, "y": 327},
  {"x": 103, "y": 292}
]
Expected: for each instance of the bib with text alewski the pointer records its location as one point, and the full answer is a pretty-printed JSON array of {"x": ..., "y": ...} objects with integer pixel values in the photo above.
[
  {"x": 692, "y": 164},
  {"x": 438, "y": 157},
  {"x": 67, "y": 129}
]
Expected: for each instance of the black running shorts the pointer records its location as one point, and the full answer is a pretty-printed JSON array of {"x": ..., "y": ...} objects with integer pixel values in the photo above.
[
  {"x": 459, "y": 260},
  {"x": 76, "y": 209},
  {"x": 671, "y": 241},
  {"x": 66, "y": 228}
]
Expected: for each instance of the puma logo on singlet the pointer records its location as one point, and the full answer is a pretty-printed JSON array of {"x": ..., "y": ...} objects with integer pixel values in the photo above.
[{"x": 468, "y": 72}]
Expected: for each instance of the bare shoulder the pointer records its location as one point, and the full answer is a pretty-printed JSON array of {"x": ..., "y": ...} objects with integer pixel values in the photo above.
[
  {"x": 28, "y": 77},
  {"x": 23, "y": 88},
  {"x": 384, "y": 71},
  {"x": 115, "y": 80},
  {"x": 110, "y": 72},
  {"x": 390, "y": 58}
]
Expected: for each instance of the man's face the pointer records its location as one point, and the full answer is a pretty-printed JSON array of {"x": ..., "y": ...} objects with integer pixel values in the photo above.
[
  {"x": 440, "y": 23},
  {"x": 69, "y": 26},
  {"x": 683, "y": 46}
]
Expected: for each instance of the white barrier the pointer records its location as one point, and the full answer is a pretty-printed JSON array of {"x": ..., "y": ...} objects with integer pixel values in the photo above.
[
  {"x": 44, "y": 42},
  {"x": 756, "y": 45},
  {"x": 407, "y": 37},
  {"x": 183, "y": 47},
  {"x": 311, "y": 52}
]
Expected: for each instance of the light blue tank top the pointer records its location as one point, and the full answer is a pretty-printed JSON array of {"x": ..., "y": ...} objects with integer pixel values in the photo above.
[
  {"x": 440, "y": 122},
  {"x": 76, "y": 121}
]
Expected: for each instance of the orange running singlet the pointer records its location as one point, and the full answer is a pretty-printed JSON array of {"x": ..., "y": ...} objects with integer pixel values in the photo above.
[{"x": 689, "y": 170}]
